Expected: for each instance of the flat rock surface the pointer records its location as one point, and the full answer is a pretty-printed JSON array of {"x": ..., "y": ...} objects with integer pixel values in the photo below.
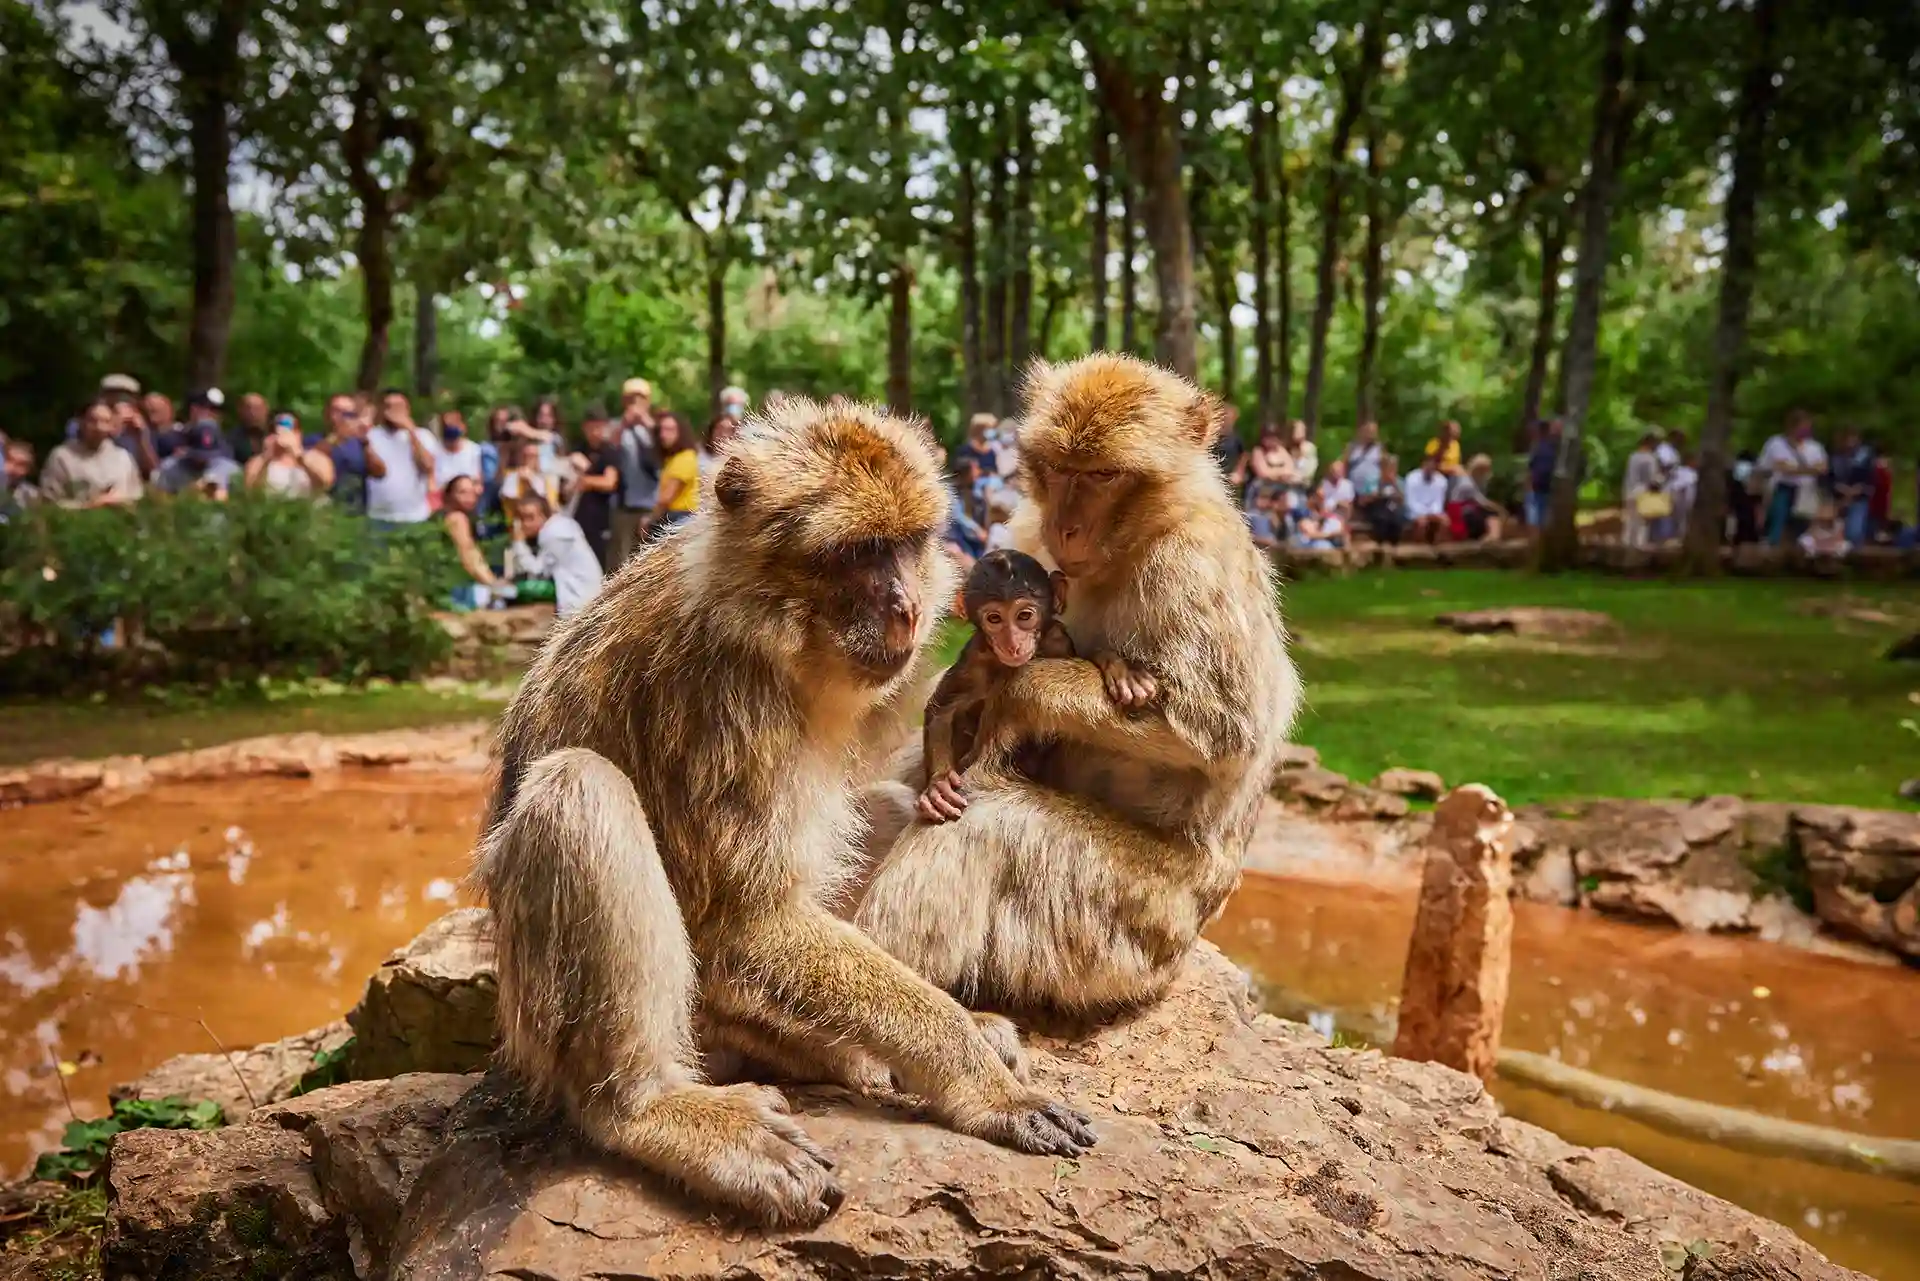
[
  {"x": 1528, "y": 620},
  {"x": 270, "y": 1072}
]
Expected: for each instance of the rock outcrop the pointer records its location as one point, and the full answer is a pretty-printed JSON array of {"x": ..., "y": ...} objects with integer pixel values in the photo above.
[
  {"x": 462, "y": 746},
  {"x": 1231, "y": 1145},
  {"x": 271, "y": 1073},
  {"x": 430, "y": 1006},
  {"x": 494, "y": 640},
  {"x": 1811, "y": 875}
]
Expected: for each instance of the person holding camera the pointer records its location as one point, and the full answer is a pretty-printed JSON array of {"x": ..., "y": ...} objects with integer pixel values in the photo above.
[
  {"x": 286, "y": 466},
  {"x": 397, "y": 488},
  {"x": 200, "y": 467}
]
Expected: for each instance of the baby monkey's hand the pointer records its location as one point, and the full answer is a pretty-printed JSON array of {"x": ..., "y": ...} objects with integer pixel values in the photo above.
[
  {"x": 943, "y": 801},
  {"x": 1128, "y": 687}
]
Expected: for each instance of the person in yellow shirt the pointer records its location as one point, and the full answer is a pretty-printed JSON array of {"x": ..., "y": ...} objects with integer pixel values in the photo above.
[
  {"x": 679, "y": 473},
  {"x": 1447, "y": 446}
]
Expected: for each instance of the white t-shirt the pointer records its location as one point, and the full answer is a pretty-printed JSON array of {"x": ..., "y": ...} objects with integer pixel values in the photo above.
[
  {"x": 464, "y": 460},
  {"x": 999, "y": 536},
  {"x": 1683, "y": 480},
  {"x": 1336, "y": 493},
  {"x": 1426, "y": 496},
  {"x": 399, "y": 496},
  {"x": 1779, "y": 452},
  {"x": 1669, "y": 456}
]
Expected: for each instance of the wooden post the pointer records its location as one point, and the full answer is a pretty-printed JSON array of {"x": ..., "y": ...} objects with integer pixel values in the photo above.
[{"x": 1454, "y": 992}]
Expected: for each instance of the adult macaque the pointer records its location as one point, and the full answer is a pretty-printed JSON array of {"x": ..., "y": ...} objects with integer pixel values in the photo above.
[
  {"x": 652, "y": 853},
  {"x": 1082, "y": 872},
  {"x": 1011, "y": 601}
]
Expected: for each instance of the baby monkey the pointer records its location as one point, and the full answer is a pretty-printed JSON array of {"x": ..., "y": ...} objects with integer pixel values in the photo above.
[{"x": 1013, "y": 604}]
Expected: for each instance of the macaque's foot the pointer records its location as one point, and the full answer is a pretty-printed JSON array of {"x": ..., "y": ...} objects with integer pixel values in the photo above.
[
  {"x": 1036, "y": 1124},
  {"x": 1004, "y": 1037},
  {"x": 762, "y": 1162},
  {"x": 944, "y": 800},
  {"x": 1127, "y": 686}
]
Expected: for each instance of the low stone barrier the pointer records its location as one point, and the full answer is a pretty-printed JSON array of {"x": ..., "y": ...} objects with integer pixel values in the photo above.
[{"x": 1872, "y": 563}]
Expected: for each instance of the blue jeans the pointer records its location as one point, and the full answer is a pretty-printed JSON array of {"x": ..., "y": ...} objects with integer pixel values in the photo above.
[
  {"x": 1856, "y": 522},
  {"x": 1536, "y": 506},
  {"x": 1779, "y": 513}
]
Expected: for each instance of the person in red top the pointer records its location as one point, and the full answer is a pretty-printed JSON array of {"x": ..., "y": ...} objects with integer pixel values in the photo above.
[{"x": 1880, "y": 500}]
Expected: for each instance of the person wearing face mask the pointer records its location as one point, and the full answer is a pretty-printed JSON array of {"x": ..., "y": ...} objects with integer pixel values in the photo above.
[
  {"x": 285, "y": 466},
  {"x": 733, "y": 402},
  {"x": 454, "y": 454}
]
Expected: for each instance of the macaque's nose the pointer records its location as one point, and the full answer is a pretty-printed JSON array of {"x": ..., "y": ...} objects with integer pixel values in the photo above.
[{"x": 903, "y": 617}]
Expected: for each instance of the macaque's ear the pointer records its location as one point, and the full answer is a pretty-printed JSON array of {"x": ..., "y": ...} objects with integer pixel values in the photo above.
[
  {"x": 1202, "y": 417},
  {"x": 1059, "y": 581},
  {"x": 731, "y": 486},
  {"x": 1034, "y": 382}
]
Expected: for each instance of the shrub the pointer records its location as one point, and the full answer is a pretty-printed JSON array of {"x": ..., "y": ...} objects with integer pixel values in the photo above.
[
  {"x": 85, "y": 1143},
  {"x": 208, "y": 591}
]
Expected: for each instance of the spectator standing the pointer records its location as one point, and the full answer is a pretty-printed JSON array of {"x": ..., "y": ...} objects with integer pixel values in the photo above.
[
  {"x": 597, "y": 472},
  {"x": 551, "y": 546},
  {"x": 1540, "y": 463},
  {"x": 1447, "y": 446},
  {"x": 287, "y": 466},
  {"x": 639, "y": 467},
  {"x": 1743, "y": 498},
  {"x": 1670, "y": 451},
  {"x": 345, "y": 445},
  {"x": 524, "y": 477},
  {"x": 1853, "y": 482},
  {"x": 1683, "y": 486},
  {"x": 551, "y": 434},
  {"x": 200, "y": 466},
  {"x": 455, "y": 453},
  {"x": 733, "y": 402},
  {"x": 17, "y": 490},
  {"x": 722, "y": 429},
  {"x": 1385, "y": 509},
  {"x": 166, "y": 432},
  {"x": 1643, "y": 497},
  {"x": 1794, "y": 463},
  {"x": 1000, "y": 521},
  {"x": 91, "y": 470},
  {"x": 679, "y": 462},
  {"x": 248, "y": 437},
  {"x": 1880, "y": 502},
  {"x": 397, "y": 487},
  {"x": 459, "y": 515},
  {"x": 1363, "y": 459},
  {"x": 131, "y": 430},
  {"x": 1427, "y": 501}
]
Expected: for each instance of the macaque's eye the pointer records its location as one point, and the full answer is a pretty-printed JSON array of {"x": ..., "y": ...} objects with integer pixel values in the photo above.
[
  {"x": 992, "y": 618},
  {"x": 1026, "y": 616},
  {"x": 1102, "y": 477}
]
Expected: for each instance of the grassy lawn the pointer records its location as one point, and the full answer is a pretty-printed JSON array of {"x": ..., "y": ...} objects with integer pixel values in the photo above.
[
  {"x": 1738, "y": 686},
  {"x": 31, "y": 731}
]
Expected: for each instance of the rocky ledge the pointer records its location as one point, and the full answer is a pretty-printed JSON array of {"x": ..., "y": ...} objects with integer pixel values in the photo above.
[
  {"x": 1882, "y": 563},
  {"x": 1232, "y": 1145},
  {"x": 461, "y": 746},
  {"x": 1811, "y": 875}
]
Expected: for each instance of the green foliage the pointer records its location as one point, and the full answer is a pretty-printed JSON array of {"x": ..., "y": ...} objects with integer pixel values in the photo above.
[
  {"x": 329, "y": 1069},
  {"x": 210, "y": 591},
  {"x": 84, "y": 1145}
]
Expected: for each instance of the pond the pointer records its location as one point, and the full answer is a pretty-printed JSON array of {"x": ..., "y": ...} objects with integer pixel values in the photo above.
[{"x": 259, "y": 909}]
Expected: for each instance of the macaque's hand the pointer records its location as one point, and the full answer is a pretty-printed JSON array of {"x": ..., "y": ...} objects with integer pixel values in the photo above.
[
  {"x": 1128, "y": 687},
  {"x": 943, "y": 801}
]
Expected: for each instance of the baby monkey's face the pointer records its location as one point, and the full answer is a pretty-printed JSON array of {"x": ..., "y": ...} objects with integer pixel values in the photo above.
[{"x": 1013, "y": 627}]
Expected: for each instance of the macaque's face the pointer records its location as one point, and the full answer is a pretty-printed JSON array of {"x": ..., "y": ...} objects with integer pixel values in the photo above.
[
  {"x": 1013, "y": 627},
  {"x": 1080, "y": 508},
  {"x": 874, "y": 614}
]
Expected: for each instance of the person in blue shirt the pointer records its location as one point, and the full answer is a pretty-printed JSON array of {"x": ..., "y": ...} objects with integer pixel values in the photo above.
[{"x": 1540, "y": 464}]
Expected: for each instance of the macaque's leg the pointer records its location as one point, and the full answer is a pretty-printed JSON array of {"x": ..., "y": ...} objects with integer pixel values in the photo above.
[
  {"x": 796, "y": 1059},
  {"x": 1067, "y": 908},
  {"x": 888, "y": 807},
  {"x": 1067, "y": 699},
  {"x": 810, "y": 976},
  {"x": 596, "y": 987}
]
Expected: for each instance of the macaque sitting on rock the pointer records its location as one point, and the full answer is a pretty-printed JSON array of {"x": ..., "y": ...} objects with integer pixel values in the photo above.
[{"x": 1014, "y": 606}]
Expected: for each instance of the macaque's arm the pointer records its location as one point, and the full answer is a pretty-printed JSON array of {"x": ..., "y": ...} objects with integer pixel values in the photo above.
[
  {"x": 1068, "y": 699},
  {"x": 1055, "y": 642}
]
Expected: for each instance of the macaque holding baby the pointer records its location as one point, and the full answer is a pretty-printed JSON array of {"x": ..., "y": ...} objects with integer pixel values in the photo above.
[{"x": 1013, "y": 604}]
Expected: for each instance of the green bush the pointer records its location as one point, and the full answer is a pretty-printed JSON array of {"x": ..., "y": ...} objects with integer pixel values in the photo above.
[
  {"x": 208, "y": 592},
  {"x": 85, "y": 1143}
]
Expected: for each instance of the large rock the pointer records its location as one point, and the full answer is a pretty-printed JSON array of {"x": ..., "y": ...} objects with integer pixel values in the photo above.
[
  {"x": 1864, "y": 869},
  {"x": 1528, "y": 620},
  {"x": 1422, "y": 784},
  {"x": 430, "y": 1006},
  {"x": 270, "y": 1073},
  {"x": 1231, "y": 1145}
]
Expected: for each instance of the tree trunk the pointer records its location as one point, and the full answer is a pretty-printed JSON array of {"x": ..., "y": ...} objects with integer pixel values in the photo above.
[
  {"x": 1102, "y": 196},
  {"x": 1373, "y": 287},
  {"x": 900, "y": 337},
  {"x": 970, "y": 291},
  {"x": 716, "y": 254},
  {"x": 1129, "y": 283},
  {"x": 1056, "y": 293},
  {"x": 1352, "y": 101},
  {"x": 1283, "y": 288},
  {"x": 1149, "y": 131},
  {"x": 426, "y": 342},
  {"x": 1262, "y": 265},
  {"x": 210, "y": 137},
  {"x": 1553, "y": 244},
  {"x": 376, "y": 281},
  {"x": 1220, "y": 268},
  {"x": 1707, "y": 526},
  {"x": 1020, "y": 235},
  {"x": 1560, "y": 544},
  {"x": 994, "y": 349}
]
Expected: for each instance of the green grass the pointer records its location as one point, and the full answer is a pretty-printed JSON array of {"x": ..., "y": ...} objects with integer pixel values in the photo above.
[
  {"x": 1722, "y": 687},
  {"x": 148, "y": 727}
]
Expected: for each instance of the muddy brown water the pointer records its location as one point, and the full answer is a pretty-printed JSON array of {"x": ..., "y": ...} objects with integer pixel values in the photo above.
[{"x": 262, "y": 906}]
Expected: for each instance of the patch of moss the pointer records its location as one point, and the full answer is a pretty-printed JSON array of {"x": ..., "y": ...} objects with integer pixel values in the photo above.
[{"x": 1782, "y": 872}]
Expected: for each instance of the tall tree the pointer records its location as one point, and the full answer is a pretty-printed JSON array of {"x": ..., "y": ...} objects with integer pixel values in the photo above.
[
  {"x": 1260, "y": 216},
  {"x": 1129, "y": 279},
  {"x": 1373, "y": 286},
  {"x": 1283, "y": 288},
  {"x": 1102, "y": 201},
  {"x": 1020, "y": 243},
  {"x": 1356, "y": 79},
  {"x": 1612, "y": 119}
]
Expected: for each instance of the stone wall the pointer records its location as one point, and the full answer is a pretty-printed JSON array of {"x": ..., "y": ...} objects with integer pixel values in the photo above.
[{"x": 1877, "y": 563}]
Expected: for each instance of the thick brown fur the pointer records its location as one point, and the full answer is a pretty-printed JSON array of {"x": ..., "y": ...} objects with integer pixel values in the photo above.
[
  {"x": 674, "y": 815},
  {"x": 1077, "y": 886}
]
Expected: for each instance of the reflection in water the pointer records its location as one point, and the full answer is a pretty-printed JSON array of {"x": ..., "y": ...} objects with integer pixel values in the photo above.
[
  {"x": 263, "y": 906},
  {"x": 260, "y": 907},
  {"x": 1735, "y": 1022}
]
